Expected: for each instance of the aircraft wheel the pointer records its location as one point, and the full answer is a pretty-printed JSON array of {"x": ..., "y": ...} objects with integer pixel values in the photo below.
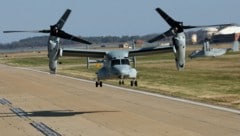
[
  {"x": 53, "y": 71},
  {"x": 131, "y": 83},
  {"x": 100, "y": 83},
  {"x": 135, "y": 83},
  {"x": 96, "y": 83},
  {"x": 121, "y": 82}
]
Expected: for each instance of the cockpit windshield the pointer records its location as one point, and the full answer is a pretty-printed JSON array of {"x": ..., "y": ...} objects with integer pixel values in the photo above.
[
  {"x": 116, "y": 62},
  {"x": 125, "y": 61},
  {"x": 120, "y": 62}
]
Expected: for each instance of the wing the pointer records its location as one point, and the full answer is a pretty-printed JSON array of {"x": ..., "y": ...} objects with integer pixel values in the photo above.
[
  {"x": 84, "y": 53},
  {"x": 150, "y": 51}
]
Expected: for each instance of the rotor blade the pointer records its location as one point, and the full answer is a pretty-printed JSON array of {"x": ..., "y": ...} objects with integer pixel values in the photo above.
[
  {"x": 167, "y": 18},
  {"x": 220, "y": 25},
  {"x": 63, "y": 19},
  {"x": 65, "y": 35},
  {"x": 166, "y": 34},
  {"x": 33, "y": 31}
]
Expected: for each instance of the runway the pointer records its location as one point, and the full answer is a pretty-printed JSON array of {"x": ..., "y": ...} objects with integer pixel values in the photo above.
[{"x": 37, "y": 103}]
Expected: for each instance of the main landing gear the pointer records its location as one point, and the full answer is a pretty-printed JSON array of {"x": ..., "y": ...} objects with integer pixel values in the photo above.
[
  {"x": 98, "y": 83},
  {"x": 121, "y": 82},
  {"x": 134, "y": 83}
]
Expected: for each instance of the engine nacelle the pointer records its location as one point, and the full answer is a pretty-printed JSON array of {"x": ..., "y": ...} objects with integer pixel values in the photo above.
[
  {"x": 60, "y": 52},
  {"x": 179, "y": 50},
  {"x": 53, "y": 53},
  {"x": 53, "y": 66}
]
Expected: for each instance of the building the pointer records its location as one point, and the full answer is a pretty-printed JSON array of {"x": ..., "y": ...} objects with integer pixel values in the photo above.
[
  {"x": 124, "y": 45},
  {"x": 227, "y": 34}
]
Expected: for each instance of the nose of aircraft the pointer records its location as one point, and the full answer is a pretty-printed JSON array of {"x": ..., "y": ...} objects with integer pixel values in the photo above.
[{"x": 121, "y": 70}]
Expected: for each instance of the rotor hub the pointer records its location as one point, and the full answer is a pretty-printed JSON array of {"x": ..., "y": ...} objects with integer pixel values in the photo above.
[{"x": 54, "y": 30}]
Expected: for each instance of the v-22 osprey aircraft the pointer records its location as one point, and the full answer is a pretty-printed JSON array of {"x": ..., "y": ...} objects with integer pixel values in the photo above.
[{"x": 116, "y": 63}]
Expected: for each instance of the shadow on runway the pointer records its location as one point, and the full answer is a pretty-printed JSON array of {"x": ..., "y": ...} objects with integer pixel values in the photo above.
[{"x": 50, "y": 113}]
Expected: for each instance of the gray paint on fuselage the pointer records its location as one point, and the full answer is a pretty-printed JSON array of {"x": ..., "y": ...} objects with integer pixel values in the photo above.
[
  {"x": 53, "y": 48},
  {"x": 121, "y": 69},
  {"x": 179, "y": 42}
]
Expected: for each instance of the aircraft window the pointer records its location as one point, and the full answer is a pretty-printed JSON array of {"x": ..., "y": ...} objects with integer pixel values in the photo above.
[
  {"x": 125, "y": 61},
  {"x": 116, "y": 62}
]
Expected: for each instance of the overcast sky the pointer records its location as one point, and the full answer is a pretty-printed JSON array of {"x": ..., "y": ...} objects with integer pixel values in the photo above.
[{"x": 111, "y": 17}]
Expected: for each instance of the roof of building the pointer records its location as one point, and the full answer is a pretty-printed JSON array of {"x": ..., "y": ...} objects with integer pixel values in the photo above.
[{"x": 229, "y": 30}]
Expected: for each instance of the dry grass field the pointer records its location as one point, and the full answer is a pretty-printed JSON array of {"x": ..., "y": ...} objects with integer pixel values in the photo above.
[{"x": 212, "y": 80}]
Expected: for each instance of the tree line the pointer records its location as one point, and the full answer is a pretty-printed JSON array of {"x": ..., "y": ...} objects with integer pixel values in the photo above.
[{"x": 41, "y": 41}]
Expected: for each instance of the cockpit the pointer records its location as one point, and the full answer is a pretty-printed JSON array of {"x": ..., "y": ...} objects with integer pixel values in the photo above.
[{"x": 120, "y": 62}]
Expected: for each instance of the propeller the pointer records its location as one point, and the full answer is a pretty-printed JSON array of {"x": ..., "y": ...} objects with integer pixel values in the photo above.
[
  {"x": 55, "y": 30},
  {"x": 176, "y": 26},
  {"x": 179, "y": 41},
  {"x": 54, "y": 49},
  {"x": 36, "y": 31}
]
